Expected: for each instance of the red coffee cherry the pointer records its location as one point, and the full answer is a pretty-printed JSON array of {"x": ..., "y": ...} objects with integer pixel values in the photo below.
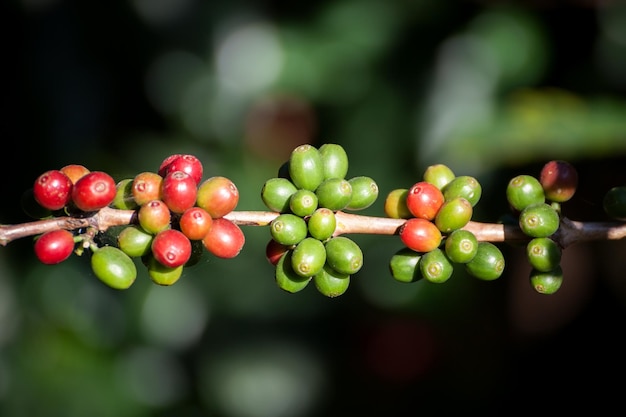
[
  {"x": 94, "y": 191},
  {"x": 559, "y": 180},
  {"x": 171, "y": 248},
  {"x": 54, "y": 247},
  {"x": 421, "y": 235},
  {"x": 182, "y": 162},
  {"x": 178, "y": 191},
  {"x": 424, "y": 200},
  {"x": 53, "y": 190},
  {"x": 225, "y": 239},
  {"x": 274, "y": 251},
  {"x": 195, "y": 223},
  {"x": 218, "y": 196}
]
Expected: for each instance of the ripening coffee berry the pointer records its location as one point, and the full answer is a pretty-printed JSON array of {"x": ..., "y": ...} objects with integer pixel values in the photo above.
[
  {"x": 178, "y": 191},
  {"x": 435, "y": 266},
  {"x": 464, "y": 186},
  {"x": 288, "y": 229},
  {"x": 195, "y": 223},
  {"x": 54, "y": 247},
  {"x": 344, "y": 255},
  {"x": 308, "y": 257},
  {"x": 276, "y": 194},
  {"x": 74, "y": 171},
  {"x": 334, "y": 193},
  {"x": 334, "y": 160},
  {"x": 53, "y": 190},
  {"x": 182, "y": 162},
  {"x": 419, "y": 234},
  {"x": 146, "y": 187},
  {"x": 113, "y": 267},
  {"x": 488, "y": 263},
  {"x": 225, "y": 239},
  {"x": 171, "y": 248},
  {"x": 134, "y": 241},
  {"x": 154, "y": 216},
  {"x": 453, "y": 214},
  {"x": 306, "y": 167},
  {"x": 124, "y": 199},
  {"x": 523, "y": 191},
  {"x": 322, "y": 224},
  {"x": 93, "y": 191},
  {"x": 543, "y": 253},
  {"x": 303, "y": 202},
  {"x": 539, "y": 220},
  {"x": 424, "y": 200},
  {"x": 395, "y": 204},
  {"x": 439, "y": 175},
  {"x": 286, "y": 278},
  {"x": 364, "y": 193},
  {"x": 403, "y": 265},
  {"x": 546, "y": 282},
  {"x": 330, "y": 282},
  {"x": 161, "y": 274},
  {"x": 218, "y": 196},
  {"x": 461, "y": 246},
  {"x": 614, "y": 203},
  {"x": 559, "y": 180}
]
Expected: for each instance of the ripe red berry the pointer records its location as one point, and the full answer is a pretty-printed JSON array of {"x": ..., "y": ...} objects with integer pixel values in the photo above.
[
  {"x": 178, "y": 191},
  {"x": 421, "y": 235},
  {"x": 218, "y": 196},
  {"x": 53, "y": 190},
  {"x": 182, "y": 162},
  {"x": 424, "y": 200},
  {"x": 274, "y": 251},
  {"x": 559, "y": 180},
  {"x": 171, "y": 248},
  {"x": 94, "y": 191},
  {"x": 54, "y": 246},
  {"x": 225, "y": 239},
  {"x": 195, "y": 223}
]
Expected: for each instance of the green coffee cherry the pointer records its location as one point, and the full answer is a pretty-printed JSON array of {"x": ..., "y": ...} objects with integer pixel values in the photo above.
[
  {"x": 276, "y": 194},
  {"x": 303, "y": 203},
  {"x": 334, "y": 160},
  {"x": 404, "y": 265},
  {"x": 487, "y": 264},
  {"x": 439, "y": 175},
  {"x": 539, "y": 220},
  {"x": 614, "y": 203},
  {"x": 288, "y": 229},
  {"x": 306, "y": 168},
  {"x": 330, "y": 282},
  {"x": 364, "y": 193},
  {"x": 322, "y": 223},
  {"x": 134, "y": 241},
  {"x": 453, "y": 214},
  {"x": 334, "y": 193},
  {"x": 344, "y": 255},
  {"x": 463, "y": 186},
  {"x": 461, "y": 246},
  {"x": 547, "y": 282},
  {"x": 543, "y": 253},
  {"x": 435, "y": 266},
  {"x": 286, "y": 278},
  {"x": 523, "y": 191},
  {"x": 161, "y": 274},
  {"x": 308, "y": 257},
  {"x": 113, "y": 267},
  {"x": 124, "y": 199}
]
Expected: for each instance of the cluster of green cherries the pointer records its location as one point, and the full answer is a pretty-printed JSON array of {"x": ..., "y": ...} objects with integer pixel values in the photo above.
[{"x": 310, "y": 187}]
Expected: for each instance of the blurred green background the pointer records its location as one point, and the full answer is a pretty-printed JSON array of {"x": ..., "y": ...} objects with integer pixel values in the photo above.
[{"x": 491, "y": 88}]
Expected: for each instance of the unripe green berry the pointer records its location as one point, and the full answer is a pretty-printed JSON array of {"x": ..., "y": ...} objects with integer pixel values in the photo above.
[
  {"x": 364, "y": 193},
  {"x": 322, "y": 223},
  {"x": 288, "y": 229},
  {"x": 464, "y": 186},
  {"x": 543, "y": 253},
  {"x": 453, "y": 214},
  {"x": 439, "y": 175},
  {"x": 124, "y": 199},
  {"x": 461, "y": 246},
  {"x": 614, "y": 203},
  {"x": 334, "y": 160},
  {"x": 523, "y": 191},
  {"x": 334, "y": 193},
  {"x": 286, "y": 278},
  {"x": 276, "y": 194},
  {"x": 161, "y": 274},
  {"x": 539, "y": 220},
  {"x": 330, "y": 282},
  {"x": 344, "y": 255},
  {"x": 308, "y": 257},
  {"x": 113, "y": 267},
  {"x": 488, "y": 263},
  {"x": 547, "y": 282},
  {"x": 306, "y": 168},
  {"x": 134, "y": 241},
  {"x": 435, "y": 266},
  {"x": 303, "y": 203},
  {"x": 403, "y": 265}
]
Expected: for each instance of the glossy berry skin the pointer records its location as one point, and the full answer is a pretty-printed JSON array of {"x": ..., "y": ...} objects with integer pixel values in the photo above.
[
  {"x": 334, "y": 160},
  {"x": 464, "y": 186},
  {"x": 539, "y": 220},
  {"x": 161, "y": 274},
  {"x": 303, "y": 203},
  {"x": 54, "y": 247},
  {"x": 559, "y": 180},
  {"x": 439, "y": 175},
  {"x": 276, "y": 194},
  {"x": 322, "y": 224},
  {"x": 435, "y": 266},
  {"x": 404, "y": 265},
  {"x": 453, "y": 215},
  {"x": 274, "y": 250},
  {"x": 187, "y": 163},
  {"x": 146, "y": 187},
  {"x": 178, "y": 191},
  {"x": 218, "y": 196},
  {"x": 93, "y": 191},
  {"x": 113, "y": 267},
  {"x": 614, "y": 203},
  {"x": 286, "y": 278},
  {"x": 420, "y": 235},
  {"x": 53, "y": 190},
  {"x": 124, "y": 199},
  {"x": 288, "y": 229},
  {"x": 543, "y": 254},
  {"x": 154, "y": 216},
  {"x": 134, "y": 241},
  {"x": 523, "y": 191},
  {"x": 330, "y": 282},
  {"x": 424, "y": 200},
  {"x": 308, "y": 257},
  {"x": 334, "y": 193},
  {"x": 225, "y": 239},
  {"x": 546, "y": 282},
  {"x": 171, "y": 248},
  {"x": 344, "y": 255},
  {"x": 195, "y": 223},
  {"x": 74, "y": 171},
  {"x": 395, "y": 204},
  {"x": 488, "y": 263},
  {"x": 306, "y": 168},
  {"x": 461, "y": 246},
  {"x": 364, "y": 193}
]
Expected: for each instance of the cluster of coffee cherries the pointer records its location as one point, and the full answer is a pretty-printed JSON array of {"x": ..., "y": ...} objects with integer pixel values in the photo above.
[
  {"x": 436, "y": 209},
  {"x": 178, "y": 216},
  {"x": 310, "y": 187},
  {"x": 536, "y": 203}
]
